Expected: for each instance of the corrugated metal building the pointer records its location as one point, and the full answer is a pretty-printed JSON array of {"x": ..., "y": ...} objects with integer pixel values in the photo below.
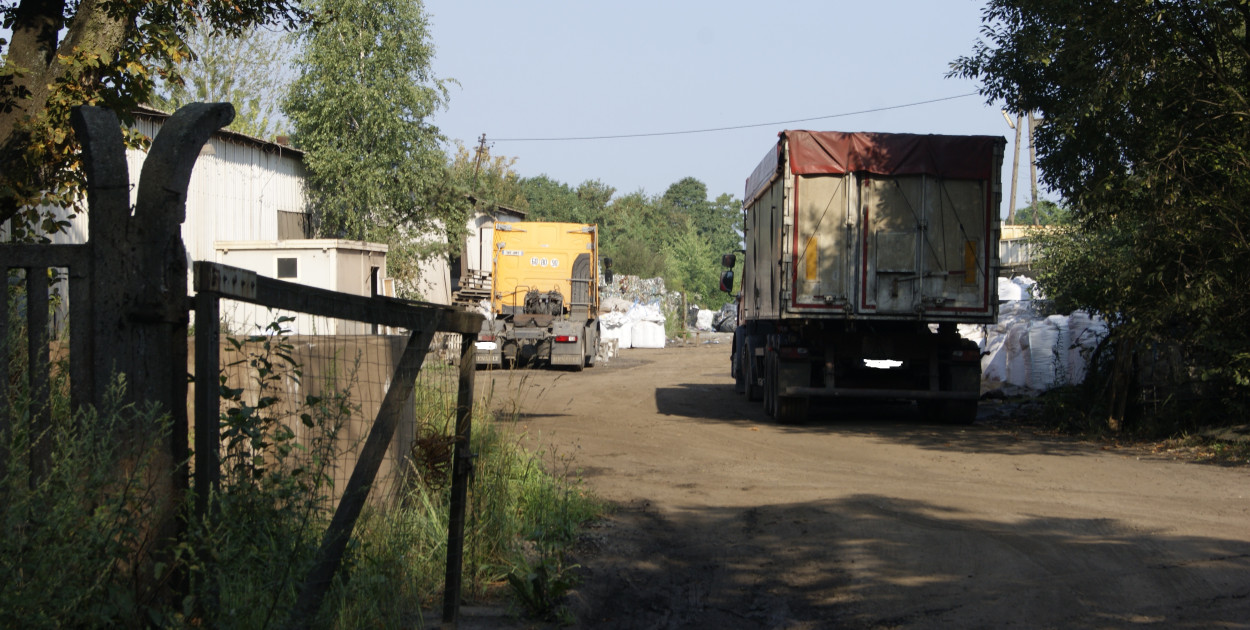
[
  {"x": 245, "y": 189},
  {"x": 242, "y": 189}
]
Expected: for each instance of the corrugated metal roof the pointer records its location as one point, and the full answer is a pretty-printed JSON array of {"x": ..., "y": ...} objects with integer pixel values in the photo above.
[{"x": 143, "y": 112}]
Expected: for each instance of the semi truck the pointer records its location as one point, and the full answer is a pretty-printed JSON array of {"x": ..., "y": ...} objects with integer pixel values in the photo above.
[
  {"x": 863, "y": 254},
  {"x": 544, "y": 296}
]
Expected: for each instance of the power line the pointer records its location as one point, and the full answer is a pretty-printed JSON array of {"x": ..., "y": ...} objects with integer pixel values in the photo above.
[{"x": 736, "y": 127}]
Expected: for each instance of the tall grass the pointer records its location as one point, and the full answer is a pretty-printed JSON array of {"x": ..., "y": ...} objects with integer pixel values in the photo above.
[
  {"x": 72, "y": 543},
  {"x": 523, "y": 510}
]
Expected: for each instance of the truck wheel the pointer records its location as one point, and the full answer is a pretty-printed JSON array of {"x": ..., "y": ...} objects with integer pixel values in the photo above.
[
  {"x": 792, "y": 409},
  {"x": 770, "y": 384},
  {"x": 957, "y": 378},
  {"x": 735, "y": 367},
  {"x": 751, "y": 373}
]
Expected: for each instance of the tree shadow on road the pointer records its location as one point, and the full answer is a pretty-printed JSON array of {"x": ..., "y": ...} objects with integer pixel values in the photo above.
[
  {"x": 871, "y": 561},
  {"x": 894, "y": 421}
]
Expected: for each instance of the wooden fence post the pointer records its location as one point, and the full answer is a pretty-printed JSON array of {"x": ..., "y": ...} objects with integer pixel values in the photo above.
[{"x": 462, "y": 469}]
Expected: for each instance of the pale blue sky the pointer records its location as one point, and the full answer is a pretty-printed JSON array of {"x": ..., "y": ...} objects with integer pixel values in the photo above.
[
  {"x": 576, "y": 68},
  {"x": 567, "y": 68}
]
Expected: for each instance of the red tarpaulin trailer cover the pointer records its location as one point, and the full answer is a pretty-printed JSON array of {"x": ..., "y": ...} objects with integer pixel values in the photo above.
[{"x": 838, "y": 152}]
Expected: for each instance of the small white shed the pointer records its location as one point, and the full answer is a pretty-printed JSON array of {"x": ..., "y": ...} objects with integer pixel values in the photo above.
[{"x": 354, "y": 267}]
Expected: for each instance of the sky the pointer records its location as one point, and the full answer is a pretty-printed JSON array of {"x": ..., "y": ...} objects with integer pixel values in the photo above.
[{"x": 532, "y": 73}]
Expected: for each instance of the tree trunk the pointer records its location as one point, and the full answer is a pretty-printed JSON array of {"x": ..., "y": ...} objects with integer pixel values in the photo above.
[
  {"x": 1121, "y": 384},
  {"x": 34, "y": 62}
]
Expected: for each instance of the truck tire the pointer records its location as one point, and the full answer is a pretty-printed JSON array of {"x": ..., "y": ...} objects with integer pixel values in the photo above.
[
  {"x": 592, "y": 354},
  {"x": 955, "y": 378},
  {"x": 735, "y": 366},
  {"x": 792, "y": 409},
  {"x": 770, "y": 384},
  {"x": 751, "y": 372}
]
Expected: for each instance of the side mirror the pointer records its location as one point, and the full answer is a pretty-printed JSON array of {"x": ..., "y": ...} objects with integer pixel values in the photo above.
[
  {"x": 727, "y": 280},
  {"x": 607, "y": 269},
  {"x": 728, "y": 260}
]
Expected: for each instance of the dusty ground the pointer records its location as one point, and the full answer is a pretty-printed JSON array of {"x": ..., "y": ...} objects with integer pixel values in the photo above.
[{"x": 866, "y": 517}]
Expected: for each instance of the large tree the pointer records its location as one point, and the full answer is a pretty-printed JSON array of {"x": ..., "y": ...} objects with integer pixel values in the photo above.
[
  {"x": 65, "y": 53},
  {"x": 550, "y": 200},
  {"x": 361, "y": 109},
  {"x": 1146, "y": 135},
  {"x": 491, "y": 179},
  {"x": 717, "y": 222},
  {"x": 249, "y": 70}
]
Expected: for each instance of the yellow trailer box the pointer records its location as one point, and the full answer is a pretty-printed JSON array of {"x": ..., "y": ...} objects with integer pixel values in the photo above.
[{"x": 544, "y": 295}]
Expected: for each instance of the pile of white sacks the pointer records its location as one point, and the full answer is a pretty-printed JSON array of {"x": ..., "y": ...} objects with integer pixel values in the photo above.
[
  {"x": 1030, "y": 351},
  {"x": 631, "y": 324}
]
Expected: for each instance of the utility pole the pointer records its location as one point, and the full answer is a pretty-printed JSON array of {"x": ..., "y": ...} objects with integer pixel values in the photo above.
[
  {"x": 1033, "y": 166},
  {"x": 482, "y": 247},
  {"x": 477, "y": 162},
  {"x": 1015, "y": 168}
]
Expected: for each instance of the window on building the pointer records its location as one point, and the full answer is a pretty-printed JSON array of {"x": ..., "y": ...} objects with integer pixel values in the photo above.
[
  {"x": 293, "y": 225},
  {"x": 288, "y": 267}
]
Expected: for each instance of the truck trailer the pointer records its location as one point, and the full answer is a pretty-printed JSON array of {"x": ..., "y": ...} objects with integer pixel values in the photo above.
[
  {"x": 544, "y": 296},
  {"x": 863, "y": 253}
]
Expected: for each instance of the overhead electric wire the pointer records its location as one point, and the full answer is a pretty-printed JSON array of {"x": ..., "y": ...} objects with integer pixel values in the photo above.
[{"x": 732, "y": 128}]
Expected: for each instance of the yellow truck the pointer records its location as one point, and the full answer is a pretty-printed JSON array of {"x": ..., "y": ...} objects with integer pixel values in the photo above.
[{"x": 544, "y": 296}]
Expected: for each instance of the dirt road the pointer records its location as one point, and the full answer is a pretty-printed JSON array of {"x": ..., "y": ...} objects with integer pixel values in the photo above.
[{"x": 869, "y": 518}]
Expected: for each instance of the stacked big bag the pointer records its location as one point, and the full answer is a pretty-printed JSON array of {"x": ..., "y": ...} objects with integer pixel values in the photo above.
[
  {"x": 632, "y": 324},
  {"x": 1027, "y": 350}
]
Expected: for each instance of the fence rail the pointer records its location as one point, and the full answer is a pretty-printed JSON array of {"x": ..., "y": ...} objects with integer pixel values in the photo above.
[
  {"x": 214, "y": 282},
  {"x": 128, "y": 315}
]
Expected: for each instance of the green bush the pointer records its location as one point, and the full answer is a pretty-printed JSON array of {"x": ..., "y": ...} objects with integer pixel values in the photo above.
[
  {"x": 75, "y": 545},
  {"x": 73, "y": 542}
]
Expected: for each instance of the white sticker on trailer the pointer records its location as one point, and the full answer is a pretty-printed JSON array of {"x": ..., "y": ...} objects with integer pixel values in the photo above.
[{"x": 512, "y": 252}]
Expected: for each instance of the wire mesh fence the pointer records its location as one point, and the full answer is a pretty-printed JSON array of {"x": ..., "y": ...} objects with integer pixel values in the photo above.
[
  {"x": 348, "y": 398},
  {"x": 320, "y": 392}
]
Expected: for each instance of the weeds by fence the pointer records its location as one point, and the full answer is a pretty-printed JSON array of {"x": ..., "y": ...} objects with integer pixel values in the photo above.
[
  {"x": 100, "y": 528},
  {"x": 69, "y": 548}
]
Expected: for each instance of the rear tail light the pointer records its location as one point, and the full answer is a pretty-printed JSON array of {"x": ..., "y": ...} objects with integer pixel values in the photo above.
[
  {"x": 566, "y": 338},
  {"x": 485, "y": 337},
  {"x": 966, "y": 355},
  {"x": 792, "y": 352}
]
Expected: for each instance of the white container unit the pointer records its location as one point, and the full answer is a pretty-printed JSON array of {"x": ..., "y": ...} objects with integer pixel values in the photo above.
[{"x": 354, "y": 267}]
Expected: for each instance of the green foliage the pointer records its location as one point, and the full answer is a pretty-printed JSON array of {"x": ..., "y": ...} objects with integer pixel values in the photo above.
[
  {"x": 717, "y": 222},
  {"x": 541, "y": 585},
  {"x": 109, "y": 54},
  {"x": 75, "y": 542},
  {"x": 489, "y": 178},
  {"x": 362, "y": 109},
  {"x": 245, "y": 70},
  {"x": 246, "y": 561},
  {"x": 520, "y": 514},
  {"x": 550, "y": 200},
  {"x": 633, "y": 256},
  {"x": 694, "y": 267},
  {"x": 1144, "y": 133},
  {"x": 1044, "y": 212},
  {"x": 72, "y": 544}
]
